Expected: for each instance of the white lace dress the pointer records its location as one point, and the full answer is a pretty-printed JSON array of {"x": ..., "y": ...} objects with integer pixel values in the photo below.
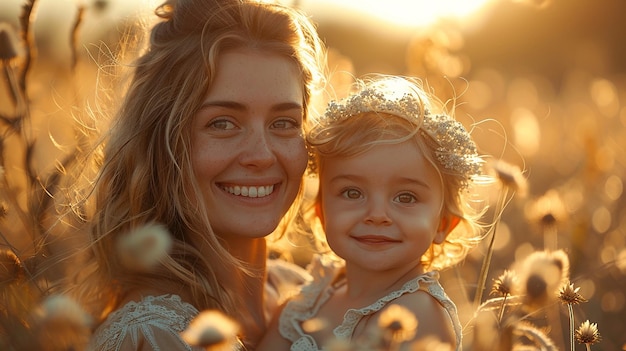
[
  {"x": 313, "y": 295},
  {"x": 155, "y": 322}
]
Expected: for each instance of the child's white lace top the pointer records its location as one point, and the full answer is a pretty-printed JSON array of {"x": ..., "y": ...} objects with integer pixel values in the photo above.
[
  {"x": 313, "y": 295},
  {"x": 155, "y": 322}
]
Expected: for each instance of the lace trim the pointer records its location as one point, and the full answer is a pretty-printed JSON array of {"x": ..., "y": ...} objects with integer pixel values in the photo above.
[
  {"x": 353, "y": 316},
  {"x": 305, "y": 305},
  {"x": 166, "y": 313},
  {"x": 138, "y": 321},
  {"x": 313, "y": 295}
]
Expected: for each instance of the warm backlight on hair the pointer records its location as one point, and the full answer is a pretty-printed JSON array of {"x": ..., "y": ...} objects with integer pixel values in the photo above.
[{"x": 415, "y": 12}]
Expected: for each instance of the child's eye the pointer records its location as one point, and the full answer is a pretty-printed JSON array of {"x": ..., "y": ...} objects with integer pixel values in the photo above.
[
  {"x": 352, "y": 194},
  {"x": 285, "y": 123},
  {"x": 222, "y": 124},
  {"x": 405, "y": 198}
]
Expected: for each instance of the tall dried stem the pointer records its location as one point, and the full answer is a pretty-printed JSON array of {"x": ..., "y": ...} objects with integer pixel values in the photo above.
[{"x": 484, "y": 270}]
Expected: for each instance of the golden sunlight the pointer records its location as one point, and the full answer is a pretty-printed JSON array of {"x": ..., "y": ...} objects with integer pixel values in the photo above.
[{"x": 414, "y": 13}]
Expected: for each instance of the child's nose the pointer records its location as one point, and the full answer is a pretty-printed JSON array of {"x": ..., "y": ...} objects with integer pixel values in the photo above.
[{"x": 377, "y": 213}]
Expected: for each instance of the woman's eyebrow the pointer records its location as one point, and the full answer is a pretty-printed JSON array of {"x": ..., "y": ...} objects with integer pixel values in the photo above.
[
  {"x": 224, "y": 103},
  {"x": 283, "y": 106}
]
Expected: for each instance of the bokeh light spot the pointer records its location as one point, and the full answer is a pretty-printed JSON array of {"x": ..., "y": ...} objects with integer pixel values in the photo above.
[
  {"x": 413, "y": 13},
  {"x": 615, "y": 239},
  {"x": 587, "y": 288},
  {"x": 612, "y": 301},
  {"x": 614, "y": 187},
  {"x": 607, "y": 254},
  {"x": 573, "y": 197},
  {"x": 620, "y": 262},
  {"x": 604, "y": 95},
  {"x": 526, "y": 131},
  {"x": 601, "y": 219},
  {"x": 523, "y": 251},
  {"x": 503, "y": 237}
]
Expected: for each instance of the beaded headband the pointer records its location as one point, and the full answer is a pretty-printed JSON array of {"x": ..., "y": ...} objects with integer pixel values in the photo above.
[{"x": 455, "y": 150}]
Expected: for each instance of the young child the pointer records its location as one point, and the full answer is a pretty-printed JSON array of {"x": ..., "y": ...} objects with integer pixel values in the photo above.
[{"x": 393, "y": 182}]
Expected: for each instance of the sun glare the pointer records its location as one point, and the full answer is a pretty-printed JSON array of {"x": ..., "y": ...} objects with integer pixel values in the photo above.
[{"x": 414, "y": 12}]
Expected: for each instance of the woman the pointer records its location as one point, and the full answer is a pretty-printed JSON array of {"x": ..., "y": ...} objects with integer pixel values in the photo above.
[{"x": 208, "y": 144}]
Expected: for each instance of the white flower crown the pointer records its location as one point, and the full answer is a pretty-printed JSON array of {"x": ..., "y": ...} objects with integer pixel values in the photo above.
[{"x": 455, "y": 150}]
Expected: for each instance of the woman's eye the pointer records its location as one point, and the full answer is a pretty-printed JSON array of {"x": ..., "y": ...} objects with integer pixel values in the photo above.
[
  {"x": 285, "y": 124},
  {"x": 406, "y": 198},
  {"x": 352, "y": 194},
  {"x": 222, "y": 124}
]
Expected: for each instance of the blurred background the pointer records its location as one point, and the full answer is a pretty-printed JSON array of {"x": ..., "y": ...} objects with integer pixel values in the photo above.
[{"x": 541, "y": 83}]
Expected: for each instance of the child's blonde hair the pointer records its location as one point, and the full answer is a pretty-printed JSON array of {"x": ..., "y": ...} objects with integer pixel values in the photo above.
[{"x": 392, "y": 110}]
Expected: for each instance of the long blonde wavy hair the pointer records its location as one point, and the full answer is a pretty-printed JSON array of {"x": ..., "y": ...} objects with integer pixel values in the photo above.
[{"x": 146, "y": 175}]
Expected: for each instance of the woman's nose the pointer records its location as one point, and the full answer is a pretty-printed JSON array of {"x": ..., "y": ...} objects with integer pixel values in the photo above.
[{"x": 258, "y": 151}]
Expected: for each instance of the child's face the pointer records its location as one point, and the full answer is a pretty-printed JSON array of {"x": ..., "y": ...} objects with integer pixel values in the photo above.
[{"x": 381, "y": 209}]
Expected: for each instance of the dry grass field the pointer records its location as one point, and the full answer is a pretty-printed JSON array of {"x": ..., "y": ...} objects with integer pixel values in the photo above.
[{"x": 542, "y": 85}]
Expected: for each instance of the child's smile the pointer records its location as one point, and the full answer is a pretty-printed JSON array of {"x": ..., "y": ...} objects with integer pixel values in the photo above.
[{"x": 381, "y": 212}]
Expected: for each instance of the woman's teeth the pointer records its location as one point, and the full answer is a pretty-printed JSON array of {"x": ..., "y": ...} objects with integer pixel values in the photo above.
[{"x": 250, "y": 191}]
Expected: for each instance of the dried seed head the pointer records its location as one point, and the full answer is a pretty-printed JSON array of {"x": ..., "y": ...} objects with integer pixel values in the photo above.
[
  {"x": 536, "y": 288},
  {"x": 510, "y": 176},
  {"x": 542, "y": 273},
  {"x": 314, "y": 325},
  {"x": 587, "y": 333},
  {"x": 538, "y": 335},
  {"x": 143, "y": 248},
  {"x": 8, "y": 43},
  {"x": 100, "y": 5},
  {"x": 60, "y": 308},
  {"x": 212, "y": 330},
  {"x": 548, "y": 210},
  {"x": 11, "y": 268},
  {"x": 336, "y": 344},
  {"x": 504, "y": 284},
  {"x": 431, "y": 343},
  {"x": 570, "y": 296},
  {"x": 398, "y": 323},
  {"x": 62, "y": 324},
  {"x": 4, "y": 210}
]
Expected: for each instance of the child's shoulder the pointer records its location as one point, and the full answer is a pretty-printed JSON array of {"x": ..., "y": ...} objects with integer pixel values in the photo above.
[
  {"x": 426, "y": 295},
  {"x": 420, "y": 301},
  {"x": 434, "y": 311},
  {"x": 433, "y": 318}
]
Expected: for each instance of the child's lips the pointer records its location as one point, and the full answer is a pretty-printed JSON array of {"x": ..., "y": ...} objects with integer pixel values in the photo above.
[{"x": 375, "y": 239}]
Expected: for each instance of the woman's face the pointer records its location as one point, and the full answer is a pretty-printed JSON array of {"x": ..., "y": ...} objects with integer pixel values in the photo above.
[{"x": 248, "y": 150}]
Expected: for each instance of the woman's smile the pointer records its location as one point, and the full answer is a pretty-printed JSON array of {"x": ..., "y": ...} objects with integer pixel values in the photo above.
[{"x": 249, "y": 191}]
